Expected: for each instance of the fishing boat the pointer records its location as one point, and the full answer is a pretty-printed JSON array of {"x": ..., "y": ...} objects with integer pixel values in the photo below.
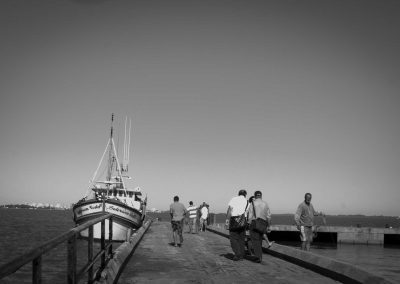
[{"x": 108, "y": 193}]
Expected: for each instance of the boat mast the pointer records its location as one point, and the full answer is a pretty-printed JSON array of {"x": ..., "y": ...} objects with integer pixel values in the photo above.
[
  {"x": 110, "y": 153},
  {"x": 113, "y": 159}
]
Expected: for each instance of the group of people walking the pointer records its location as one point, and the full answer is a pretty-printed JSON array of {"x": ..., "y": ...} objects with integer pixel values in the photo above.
[
  {"x": 254, "y": 216},
  {"x": 196, "y": 217},
  {"x": 244, "y": 218}
]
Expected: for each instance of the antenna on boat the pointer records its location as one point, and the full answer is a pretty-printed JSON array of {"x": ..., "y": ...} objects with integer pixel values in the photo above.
[
  {"x": 112, "y": 121},
  {"x": 127, "y": 142}
]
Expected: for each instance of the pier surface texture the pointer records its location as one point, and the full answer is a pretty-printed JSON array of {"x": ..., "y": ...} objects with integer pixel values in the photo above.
[{"x": 204, "y": 258}]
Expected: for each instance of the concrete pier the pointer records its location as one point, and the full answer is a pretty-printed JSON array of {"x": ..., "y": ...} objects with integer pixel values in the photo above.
[
  {"x": 205, "y": 258},
  {"x": 338, "y": 270}
]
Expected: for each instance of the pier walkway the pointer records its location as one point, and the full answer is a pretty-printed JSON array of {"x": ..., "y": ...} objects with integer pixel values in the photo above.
[{"x": 204, "y": 258}]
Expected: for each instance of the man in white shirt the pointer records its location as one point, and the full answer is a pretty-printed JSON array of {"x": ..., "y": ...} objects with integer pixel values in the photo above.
[
  {"x": 203, "y": 218},
  {"x": 236, "y": 207}
]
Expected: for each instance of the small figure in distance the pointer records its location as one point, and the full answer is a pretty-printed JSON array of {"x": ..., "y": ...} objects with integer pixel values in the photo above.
[
  {"x": 192, "y": 211},
  {"x": 203, "y": 217}
]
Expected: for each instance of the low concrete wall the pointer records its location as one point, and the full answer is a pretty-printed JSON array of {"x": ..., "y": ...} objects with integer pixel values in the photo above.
[
  {"x": 121, "y": 255},
  {"x": 351, "y": 235},
  {"x": 337, "y": 270}
]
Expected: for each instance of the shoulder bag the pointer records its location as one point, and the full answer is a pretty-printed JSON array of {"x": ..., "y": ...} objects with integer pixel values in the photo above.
[
  {"x": 258, "y": 225},
  {"x": 238, "y": 223}
]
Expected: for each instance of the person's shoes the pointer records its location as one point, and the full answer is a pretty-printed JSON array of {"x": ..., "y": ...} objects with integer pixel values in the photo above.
[
  {"x": 258, "y": 260},
  {"x": 236, "y": 258},
  {"x": 175, "y": 245},
  {"x": 179, "y": 245}
]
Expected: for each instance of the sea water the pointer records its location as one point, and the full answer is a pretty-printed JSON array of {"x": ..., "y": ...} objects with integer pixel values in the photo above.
[
  {"x": 24, "y": 229},
  {"x": 382, "y": 261}
]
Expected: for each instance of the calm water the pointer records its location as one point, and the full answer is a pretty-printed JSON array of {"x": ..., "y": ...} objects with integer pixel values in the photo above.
[
  {"x": 375, "y": 259},
  {"x": 24, "y": 229}
]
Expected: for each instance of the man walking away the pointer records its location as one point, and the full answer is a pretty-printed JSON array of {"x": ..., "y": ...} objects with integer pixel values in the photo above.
[
  {"x": 192, "y": 210},
  {"x": 178, "y": 212},
  {"x": 304, "y": 218},
  {"x": 203, "y": 218},
  {"x": 259, "y": 209},
  {"x": 236, "y": 207}
]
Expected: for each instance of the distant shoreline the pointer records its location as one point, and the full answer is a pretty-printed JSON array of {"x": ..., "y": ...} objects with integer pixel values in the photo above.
[{"x": 33, "y": 208}]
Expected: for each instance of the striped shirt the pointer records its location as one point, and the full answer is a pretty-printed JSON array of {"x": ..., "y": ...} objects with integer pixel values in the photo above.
[{"x": 192, "y": 211}]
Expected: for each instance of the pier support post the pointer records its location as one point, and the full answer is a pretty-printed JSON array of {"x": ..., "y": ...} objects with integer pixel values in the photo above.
[
  {"x": 72, "y": 259},
  {"x": 37, "y": 270}
]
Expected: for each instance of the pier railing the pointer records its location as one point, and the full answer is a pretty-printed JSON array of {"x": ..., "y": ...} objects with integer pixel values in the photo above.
[{"x": 73, "y": 274}]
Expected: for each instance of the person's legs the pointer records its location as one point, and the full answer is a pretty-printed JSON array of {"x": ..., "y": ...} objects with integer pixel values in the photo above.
[
  {"x": 265, "y": 237},
  {"x": 202, "y": 225},
  {"x": 256, "y": 239},
  {"x": 242, "y": 237},
  {"x": 190, "y": 225},
  {"x": 174, "y": 232},
  {"x": 195, "y": 230},
  {"x": 234, "y": 240},
  {"x": 248, "y": 244},
  {"x": 303, "y": 238},
  {"x": 180, "y": 224},
  {"x": 309, "y": 237}
]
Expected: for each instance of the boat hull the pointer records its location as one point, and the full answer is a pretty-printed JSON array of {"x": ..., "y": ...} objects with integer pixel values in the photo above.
[{"x": 125, "y": 219}]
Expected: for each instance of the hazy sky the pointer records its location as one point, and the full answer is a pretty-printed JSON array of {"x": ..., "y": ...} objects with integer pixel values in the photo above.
[{"x": 285, "y": 97}]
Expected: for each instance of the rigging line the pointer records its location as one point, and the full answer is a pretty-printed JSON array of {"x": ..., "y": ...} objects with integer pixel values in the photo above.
[
  {"x": 95, "y": 173},
  {"x": 119, "y": 125},
  {"x": 129, "y": 138},
  {"x": 119, "y": 167},
  {"x": 124, "y": 159}
]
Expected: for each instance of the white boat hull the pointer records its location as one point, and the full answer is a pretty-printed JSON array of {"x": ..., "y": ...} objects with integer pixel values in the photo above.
[
  {"x": 125, "y": 219},
  {"x": 120, "y": 233}
]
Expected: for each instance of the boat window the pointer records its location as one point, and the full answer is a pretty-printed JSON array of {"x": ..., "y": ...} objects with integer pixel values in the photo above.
[
  {"x": 120, "y": 193},
  {"x": 130, "y": 194}
]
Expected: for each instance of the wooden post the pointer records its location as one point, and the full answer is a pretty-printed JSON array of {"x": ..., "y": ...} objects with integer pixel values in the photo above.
[
  {"x": 37, "y": 270},
  {"x": 72, "y": 260},
  {"x": 110, "y": 235},
  {"x": 128, "y": 234},
  {"x": 90, "y": 254},
  {"x": 103, "y": 244}
]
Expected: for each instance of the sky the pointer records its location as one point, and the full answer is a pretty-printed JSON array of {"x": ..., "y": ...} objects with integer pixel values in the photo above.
[{"x": 286, "y": 97}]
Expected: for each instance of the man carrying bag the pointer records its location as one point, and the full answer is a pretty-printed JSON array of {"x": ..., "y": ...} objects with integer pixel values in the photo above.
[
  {"x": 236, "y": 223},
  {"x": 259, "y": 219}
]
